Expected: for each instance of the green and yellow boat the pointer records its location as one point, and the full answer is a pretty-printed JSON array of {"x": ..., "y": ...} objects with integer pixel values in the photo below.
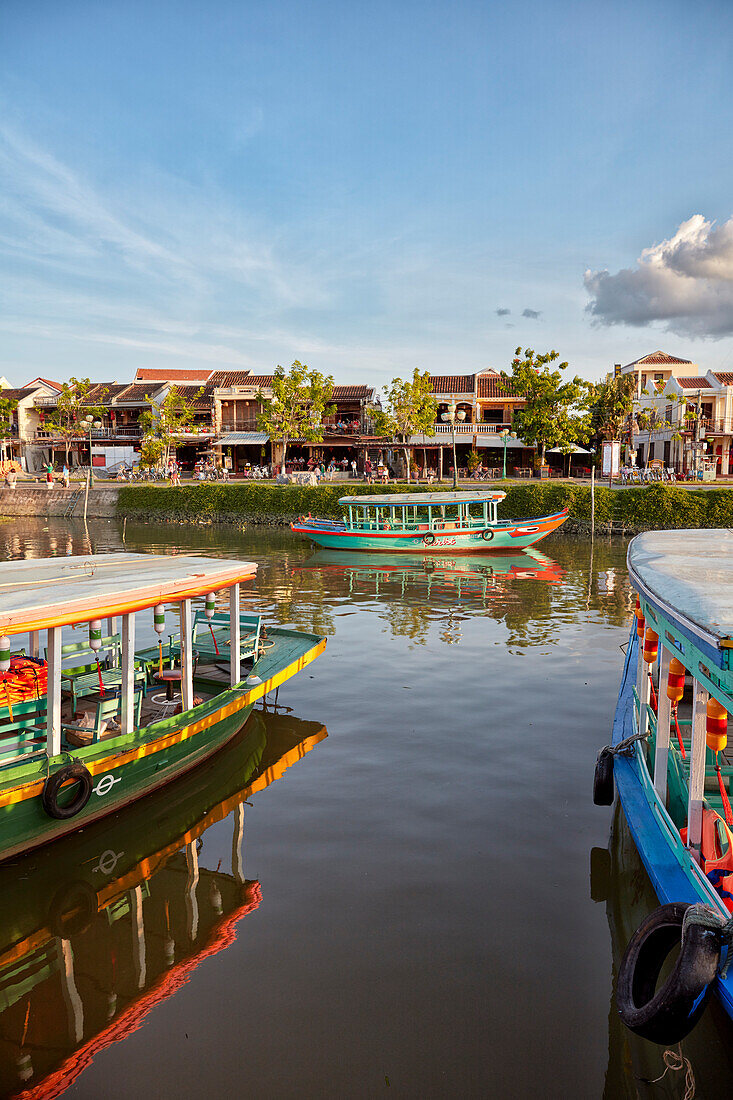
[{"x": 116, "y": 722}]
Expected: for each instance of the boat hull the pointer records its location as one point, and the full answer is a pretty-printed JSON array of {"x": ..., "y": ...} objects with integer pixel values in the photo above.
[
  {"x": 501, "y": 538},
  {"x": 668, "y": 862},
  {"x": 124, "y": 769}
]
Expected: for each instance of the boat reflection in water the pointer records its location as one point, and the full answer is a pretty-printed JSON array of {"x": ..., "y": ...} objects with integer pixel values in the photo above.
[
  {"x": 618, "y": 878},
  {"x": 479, "y": 577},
  {"x": 97, "y": 929}
]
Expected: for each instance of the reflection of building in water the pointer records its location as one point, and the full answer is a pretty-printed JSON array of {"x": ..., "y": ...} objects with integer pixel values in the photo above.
[{"x": 97, "y": 929}]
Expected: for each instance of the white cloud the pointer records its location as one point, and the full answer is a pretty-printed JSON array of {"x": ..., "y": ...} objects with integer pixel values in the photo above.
[{"x": 686, "y": 282}]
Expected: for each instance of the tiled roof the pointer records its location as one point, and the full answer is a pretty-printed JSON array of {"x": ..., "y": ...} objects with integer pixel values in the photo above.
[
  {"x": 493, "y": 385},
  {"x": 452, "y": 383},
  {"x": 138, "y": 393},
  {"x": 18, "y": 395},
  {"x": 239, "y": 378},
  {"x": 44, "y": 381},
  {"x": 696, "y": 383},
  {"x": 104, "y": 393},
  {"x": 656, "y": 358},
  {"x": 196, "y": 395},
  {"x": 352, "y": 393},
  {"x": 147, "y": 374},
  {"x": 724, "y": 377}
]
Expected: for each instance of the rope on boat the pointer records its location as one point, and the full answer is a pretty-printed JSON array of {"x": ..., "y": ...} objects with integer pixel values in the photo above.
[
  {"x": 675, "y": 1061},
  {"x": 679, "y": 734},
  {"x": 625, "y": 747},
  {"x": 724, "y": 796},
  {"x": 706, "y": 917}
]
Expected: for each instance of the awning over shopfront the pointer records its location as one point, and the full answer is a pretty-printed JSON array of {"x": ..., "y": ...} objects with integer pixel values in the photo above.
[
  {"x": 235, "y": 439},
  {"x": 493, "y": 439}
]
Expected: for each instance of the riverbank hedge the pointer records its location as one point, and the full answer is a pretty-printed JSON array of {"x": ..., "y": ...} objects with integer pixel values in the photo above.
[{"x": 631, "y": 509}]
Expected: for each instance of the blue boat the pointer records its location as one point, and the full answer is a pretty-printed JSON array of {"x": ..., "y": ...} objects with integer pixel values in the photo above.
[{"x": 668, "y": 762}]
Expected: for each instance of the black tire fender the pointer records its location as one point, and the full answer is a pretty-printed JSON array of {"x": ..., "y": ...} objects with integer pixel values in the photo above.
[
  {"x": 487, "y": 534},
  {"x": 72, "y": 910},
  {"x": 428, "y": 539},
  {"x": 603, "y": 785},
  {"x": 53, "y": 785},
  {"x": 669, "y": 1014}
]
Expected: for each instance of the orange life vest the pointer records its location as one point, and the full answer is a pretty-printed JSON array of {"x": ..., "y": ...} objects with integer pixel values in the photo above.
[{"x": 717, "y": 854}]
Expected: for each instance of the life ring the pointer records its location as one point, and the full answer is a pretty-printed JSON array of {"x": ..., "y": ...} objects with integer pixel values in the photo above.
[
  {"x": 53, "y": 785},
  {"x": 670, "y": 1013},
  {"x": 603, "y": 788},
  {"x": 72, "y": 910},
  {"x": 428, "y": 539},
  {"x": 487, "y": 534}
]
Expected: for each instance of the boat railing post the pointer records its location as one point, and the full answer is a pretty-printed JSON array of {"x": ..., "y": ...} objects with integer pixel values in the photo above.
[
  {"x": 186, "y": 656},
  {"x": 697, "y": 768},
  {"x": 642, "y": 688},
  {"x": 663, "y": 718},
  {"x": 234, "y": 637},
  {"x": 127, "y": 709},
  {"x": 53, "y": 712},
  {"x": 34, "y": 643}
]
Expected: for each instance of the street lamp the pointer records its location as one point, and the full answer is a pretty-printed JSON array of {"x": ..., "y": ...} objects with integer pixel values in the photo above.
[
  {"x": 505, "y": 434},
  {"x": 450, "y": 417},
  {"x": 97, "y": 424}
]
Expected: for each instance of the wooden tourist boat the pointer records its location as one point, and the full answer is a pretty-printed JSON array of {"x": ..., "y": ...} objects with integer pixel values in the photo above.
[
  {"x": 118, "y": 722},
  {"x": 99, "y": 929},
  {"x": 668, "y": 760},
  {"x": 435, "y": 523}
]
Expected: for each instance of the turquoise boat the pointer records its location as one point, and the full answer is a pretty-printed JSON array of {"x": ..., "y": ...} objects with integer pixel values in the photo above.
[
  {"x": 669, "y": 762},
  {"x": 117, "y": 722},
  {"x": 99, "y": 929},
  {"x": 434, "y": 523}
]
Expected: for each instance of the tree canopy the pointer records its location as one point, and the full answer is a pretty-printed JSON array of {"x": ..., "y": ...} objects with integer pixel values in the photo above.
[
  {"x": 72, "y": 405},
  {"x": 298, "y": 406},
  {"x": 409, "y": 408},
  {"x": 552, "y": 416},
  {"x": 163, "y": 425}
]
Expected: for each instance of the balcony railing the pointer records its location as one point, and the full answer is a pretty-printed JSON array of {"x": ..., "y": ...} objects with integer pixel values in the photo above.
[
  {"x": 464, "y": 428},
  {"x": 239, "y": 424}
]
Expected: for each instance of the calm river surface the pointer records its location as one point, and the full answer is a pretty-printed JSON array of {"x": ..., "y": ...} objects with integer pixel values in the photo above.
[{"x": 404, "y": 903}]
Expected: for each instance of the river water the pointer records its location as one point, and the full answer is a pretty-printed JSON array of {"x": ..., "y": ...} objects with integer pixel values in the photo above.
[{"x": 384, "y": 885}]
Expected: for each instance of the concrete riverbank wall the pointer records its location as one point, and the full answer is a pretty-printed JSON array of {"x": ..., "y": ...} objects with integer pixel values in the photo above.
[
  {"x": 40, "y": 501},
  {"x": 617, "y": 510}
]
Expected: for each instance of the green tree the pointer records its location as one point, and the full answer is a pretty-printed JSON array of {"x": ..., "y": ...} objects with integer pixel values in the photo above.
[
  {"x": 164, "y": 425},
  {"x": 546, "y": 419},
  {"x": 409, "y": 409},
  {"x": 611, "y": 406},
  {"x": 298, "y": 406},
  {"x": 7, "y": 406},
  {"x": 72, "y": 405}
]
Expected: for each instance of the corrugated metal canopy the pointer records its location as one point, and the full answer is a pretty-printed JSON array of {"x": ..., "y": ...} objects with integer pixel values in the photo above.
[{"x": 235, "y": 438}]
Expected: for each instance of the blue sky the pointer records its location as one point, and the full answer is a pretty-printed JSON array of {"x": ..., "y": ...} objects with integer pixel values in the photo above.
[{"x": 364, "y": 187}]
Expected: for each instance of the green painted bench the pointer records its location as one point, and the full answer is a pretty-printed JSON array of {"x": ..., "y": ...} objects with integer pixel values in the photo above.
[
  {"x": 106, "y": 709},
  {"x": 81, "y": 679},
  {"x": 23, "y": 736}
]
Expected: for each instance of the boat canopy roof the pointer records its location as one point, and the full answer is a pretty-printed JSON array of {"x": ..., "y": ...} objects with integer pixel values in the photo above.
[
  {"x": 422, "y": 498},
  {"x": 689, "y": 574},
  {"x": 37, "y": 593}
]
